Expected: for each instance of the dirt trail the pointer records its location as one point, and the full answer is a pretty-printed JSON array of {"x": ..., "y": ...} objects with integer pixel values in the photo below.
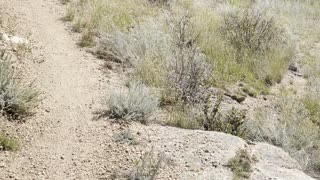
[{"x": 72, "y": 84}]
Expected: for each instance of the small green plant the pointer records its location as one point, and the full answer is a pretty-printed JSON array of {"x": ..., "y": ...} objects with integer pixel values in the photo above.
[
  {"x": 231, "y": 123},
  {"x": 8, "y": 144},
  {"x": 241, "y": 165},
  {"x": 147, "y": 168},
  {"x": 137, "y": 104},
  {"x": 17, "y": 99},
  {"x": 125, "y": 137}
]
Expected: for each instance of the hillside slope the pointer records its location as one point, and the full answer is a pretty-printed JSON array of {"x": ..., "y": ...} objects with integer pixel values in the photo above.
[{"x": 63, "y": 142}]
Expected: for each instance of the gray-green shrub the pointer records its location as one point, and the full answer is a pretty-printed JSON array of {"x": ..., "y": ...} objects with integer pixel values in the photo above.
[
  {"x": 17, "y": 99},
  {"x": 136, "y": 104}
]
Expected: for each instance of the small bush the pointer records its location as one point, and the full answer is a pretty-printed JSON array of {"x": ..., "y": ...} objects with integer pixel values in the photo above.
[
  {"x": 8, "y": 144},
  {"x": 148, "y": 168},
  {"x": 241, "y": 165},
  {"x": 125, "y": 137},
  {"x": 17, "y": 99},
  {"x": 137, "y": 104},
  {"x": 250, "y": 31}
]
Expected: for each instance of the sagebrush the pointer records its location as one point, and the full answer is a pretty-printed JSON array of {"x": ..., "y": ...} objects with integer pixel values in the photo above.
[
  {"x": 17, "y": 99},
  {"x": 136, "y": 104}
]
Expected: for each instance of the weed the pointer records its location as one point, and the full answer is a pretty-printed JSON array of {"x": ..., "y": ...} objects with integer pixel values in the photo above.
[
  {"x": 8, "y": 144},
  {"x": 241, "y": 165}
]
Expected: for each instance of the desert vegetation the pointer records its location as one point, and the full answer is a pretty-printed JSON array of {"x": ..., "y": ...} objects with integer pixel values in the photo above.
[
  {"x": 17, "y": 99},
  {"x": 186, "y": 50}
]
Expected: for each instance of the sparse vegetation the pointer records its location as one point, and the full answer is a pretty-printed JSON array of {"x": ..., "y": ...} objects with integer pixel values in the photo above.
[
  {"x": 210, "y": 118},
  {"x": 184, "y": 49},
  {"x": 241, "y": 165},
  {"x": 17, "y": 99}
]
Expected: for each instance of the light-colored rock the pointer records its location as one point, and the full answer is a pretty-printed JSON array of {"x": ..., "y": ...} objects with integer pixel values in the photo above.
[
  {"x": 274, "y": 163},
  {"x": 14, "y": 39},
  {"x": 202, "y": 155},
  {"x": 5, "y": 37}
]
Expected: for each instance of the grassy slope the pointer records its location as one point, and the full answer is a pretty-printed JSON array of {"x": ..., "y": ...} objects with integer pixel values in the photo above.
[{"x": 143, "y": 35}]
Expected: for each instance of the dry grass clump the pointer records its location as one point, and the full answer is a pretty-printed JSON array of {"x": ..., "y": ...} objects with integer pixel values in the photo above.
[{"x": 17, "y": 99}]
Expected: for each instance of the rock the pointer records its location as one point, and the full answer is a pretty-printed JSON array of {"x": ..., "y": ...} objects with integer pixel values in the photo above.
[
  {"x": 5, "y": 37},
  {"x": 2, "y": 165},
  {"x": 293, "y": 67},
  {"x": 271, "y": 162},
  {"x": 14, "y": 39},
  {"x": 237, "y": 97}
]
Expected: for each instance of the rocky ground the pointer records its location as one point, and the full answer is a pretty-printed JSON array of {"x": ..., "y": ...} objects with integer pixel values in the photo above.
[{"x": 64, "y": 140}]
